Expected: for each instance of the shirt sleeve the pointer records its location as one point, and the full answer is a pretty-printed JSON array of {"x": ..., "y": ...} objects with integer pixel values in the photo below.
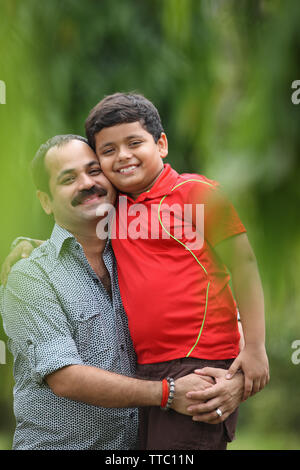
[
  {"x": 221, "y": 220},
  {"x": 36, "y": 324}
]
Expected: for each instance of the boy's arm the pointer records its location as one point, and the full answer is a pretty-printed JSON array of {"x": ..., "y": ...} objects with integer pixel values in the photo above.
[
  {"x": 20, "y": 248},
  {"x": 237, "y": 254}
]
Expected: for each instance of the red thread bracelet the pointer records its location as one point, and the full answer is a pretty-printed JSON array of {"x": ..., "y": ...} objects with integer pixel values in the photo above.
[{"x": 165, "y": 393}]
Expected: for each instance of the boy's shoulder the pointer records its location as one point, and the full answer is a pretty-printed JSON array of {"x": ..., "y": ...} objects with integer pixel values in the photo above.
[
  {"x": 192, "y": 185},
  {"x": 197, "y": 178}
]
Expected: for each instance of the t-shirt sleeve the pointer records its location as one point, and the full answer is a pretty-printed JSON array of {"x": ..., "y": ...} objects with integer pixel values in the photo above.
[
  {"x": 221, "y": 220},
  {"x": 36, "y": 324}
]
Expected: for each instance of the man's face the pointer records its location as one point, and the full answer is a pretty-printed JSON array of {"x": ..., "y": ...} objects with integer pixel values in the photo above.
[
  {"x": 77, "y": 185},
  {"x": 129, "y": 156}
]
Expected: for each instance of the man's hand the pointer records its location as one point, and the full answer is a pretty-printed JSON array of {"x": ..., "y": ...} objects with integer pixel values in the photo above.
[
  {"x": 188, "y": 383},
  {"x": 22, "y": 250},
  {"x": 254, "y": 363},
  {"x": 225, "y": 395}
]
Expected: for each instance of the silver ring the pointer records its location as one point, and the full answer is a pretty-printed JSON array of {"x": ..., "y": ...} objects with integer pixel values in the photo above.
[{"x": 219, "y": 412}]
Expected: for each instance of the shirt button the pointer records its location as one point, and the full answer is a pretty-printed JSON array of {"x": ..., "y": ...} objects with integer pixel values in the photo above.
[
  {"x": 82, "y": 315},
  {"x": 122, "y": 347},
  {"x": 29, "y": 342}
]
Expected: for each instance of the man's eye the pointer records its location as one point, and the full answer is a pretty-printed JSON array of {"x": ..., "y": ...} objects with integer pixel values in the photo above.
[
  {"x": 68, "y": 180},
  {"x": 96, "y": 171}
]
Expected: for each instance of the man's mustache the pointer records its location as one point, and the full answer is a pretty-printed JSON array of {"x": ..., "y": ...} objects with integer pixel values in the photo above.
[{"x": 85, "y": 193}]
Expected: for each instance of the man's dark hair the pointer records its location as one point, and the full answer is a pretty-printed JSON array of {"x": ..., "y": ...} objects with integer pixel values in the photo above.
[
  {"x": 38, "y": 168},
  {"x": 121, "y": 108}
]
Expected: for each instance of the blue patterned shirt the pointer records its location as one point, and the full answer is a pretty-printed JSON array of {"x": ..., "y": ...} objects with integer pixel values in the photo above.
[{"x": 56, "y": 312}]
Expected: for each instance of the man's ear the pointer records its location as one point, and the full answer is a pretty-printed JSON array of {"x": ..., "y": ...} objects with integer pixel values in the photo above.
[
  {"x": 163, "y": 145},
  {"x": 45, "y": 201}
]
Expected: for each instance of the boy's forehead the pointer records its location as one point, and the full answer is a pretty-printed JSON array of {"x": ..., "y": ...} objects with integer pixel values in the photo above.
[{"x": 118, "y": 132}]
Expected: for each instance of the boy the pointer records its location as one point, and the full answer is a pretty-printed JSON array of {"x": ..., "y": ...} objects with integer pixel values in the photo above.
[{"x": 175, "y": 288}]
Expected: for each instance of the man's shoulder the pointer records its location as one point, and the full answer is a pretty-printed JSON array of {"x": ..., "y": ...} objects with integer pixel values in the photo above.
[{"x": 36, "y": 261}]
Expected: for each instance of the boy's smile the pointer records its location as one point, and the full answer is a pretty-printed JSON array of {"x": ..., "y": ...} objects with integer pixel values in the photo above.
[{"x": 129, "y": 156}]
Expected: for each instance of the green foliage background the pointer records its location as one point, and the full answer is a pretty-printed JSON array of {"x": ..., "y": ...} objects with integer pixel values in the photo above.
[{"x": 220, "y": 72}]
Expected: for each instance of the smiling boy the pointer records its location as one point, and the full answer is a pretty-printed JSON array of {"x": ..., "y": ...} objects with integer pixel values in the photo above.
[{"x": 181, "y": 311}]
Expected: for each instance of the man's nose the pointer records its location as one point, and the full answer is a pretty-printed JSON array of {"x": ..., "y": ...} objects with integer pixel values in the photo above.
[{"x": 85, "y": 182}]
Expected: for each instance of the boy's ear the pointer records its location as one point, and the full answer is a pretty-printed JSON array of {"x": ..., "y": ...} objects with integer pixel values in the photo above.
[
  {"x": 45, "y": 201},
  {"x": 163, "y": 145}
]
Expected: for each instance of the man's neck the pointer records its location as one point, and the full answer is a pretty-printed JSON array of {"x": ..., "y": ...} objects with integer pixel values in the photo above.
[
  {"x": 93, "y": 248},
  {"x": 86, "y": 235}
]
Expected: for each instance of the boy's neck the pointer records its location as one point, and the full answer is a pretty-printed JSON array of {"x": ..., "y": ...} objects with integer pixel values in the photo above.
[{"x": 135, "y": 195}]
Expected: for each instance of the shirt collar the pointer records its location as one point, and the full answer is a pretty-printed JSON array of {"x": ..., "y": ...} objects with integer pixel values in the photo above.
[
  {"x": 58, "y": 237},
  {"x": 162, "y": 186}
]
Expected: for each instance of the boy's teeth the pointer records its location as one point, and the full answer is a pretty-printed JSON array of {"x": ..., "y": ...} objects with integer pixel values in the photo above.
[{"x": 129, "y": 168}]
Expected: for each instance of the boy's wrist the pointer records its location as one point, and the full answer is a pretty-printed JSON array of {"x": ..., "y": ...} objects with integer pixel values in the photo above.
[
  {"x": 255, "y": 344},
  {"x": 21, "y": 239}
]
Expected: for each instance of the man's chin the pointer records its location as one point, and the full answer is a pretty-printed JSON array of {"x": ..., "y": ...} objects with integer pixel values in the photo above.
[{"x": 104, "y": 209}]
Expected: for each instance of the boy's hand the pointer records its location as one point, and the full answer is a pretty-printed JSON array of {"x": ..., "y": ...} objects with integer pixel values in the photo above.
[
  {"x": 225, "y": 395},
  {"x": 22, "y": 250},
  {"x": 253, "y": 361}
]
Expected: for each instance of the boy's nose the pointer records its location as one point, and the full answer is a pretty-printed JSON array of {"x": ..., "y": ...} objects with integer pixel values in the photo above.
[{"x": 124, "y": 153}]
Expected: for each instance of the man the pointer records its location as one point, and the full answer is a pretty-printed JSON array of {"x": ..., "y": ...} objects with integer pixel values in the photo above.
[{"x": 66, "y": 325}]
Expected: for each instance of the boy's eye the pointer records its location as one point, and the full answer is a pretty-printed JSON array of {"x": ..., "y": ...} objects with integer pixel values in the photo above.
[
  {"x": 135, "y": 142},
  {"x": 107, "y": 151}
]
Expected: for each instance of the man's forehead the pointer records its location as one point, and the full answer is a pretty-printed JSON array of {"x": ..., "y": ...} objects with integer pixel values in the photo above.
[{"x": 73, "y": 155}]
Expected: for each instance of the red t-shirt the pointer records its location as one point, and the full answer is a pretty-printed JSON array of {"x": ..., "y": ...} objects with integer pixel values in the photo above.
[{"x": 176, "y": 291}]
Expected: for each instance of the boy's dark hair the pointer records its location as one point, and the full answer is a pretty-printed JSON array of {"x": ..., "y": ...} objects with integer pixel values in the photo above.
[
  {"x": 38, "y": 168},
  {"x": 121, "y": 108}
]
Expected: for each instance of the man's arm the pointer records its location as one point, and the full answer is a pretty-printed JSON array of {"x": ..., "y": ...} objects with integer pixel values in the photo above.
[
  {"x": 36, "y": 324},
  {"x": 99, "y": 387},
  {"x": 237, "y": 254}
]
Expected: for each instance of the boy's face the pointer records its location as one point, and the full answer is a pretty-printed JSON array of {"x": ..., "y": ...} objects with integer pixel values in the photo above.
[{"x": 129, "y": 156}]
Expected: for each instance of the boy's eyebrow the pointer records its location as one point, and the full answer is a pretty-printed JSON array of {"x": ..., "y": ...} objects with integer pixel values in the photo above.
[
  {"x": 71, "y": 170},
  {"x": 128, "y": 137}
]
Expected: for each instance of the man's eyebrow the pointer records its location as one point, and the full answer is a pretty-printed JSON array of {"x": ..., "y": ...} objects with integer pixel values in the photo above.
[
  {"x": 72, "y": 170},
  {"x": 133, "y": 136}
]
